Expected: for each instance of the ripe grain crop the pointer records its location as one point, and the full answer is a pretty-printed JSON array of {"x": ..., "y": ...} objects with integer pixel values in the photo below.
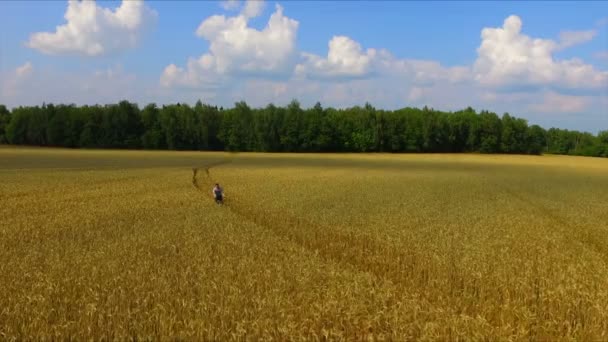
[{"x": 122, "y": 245}]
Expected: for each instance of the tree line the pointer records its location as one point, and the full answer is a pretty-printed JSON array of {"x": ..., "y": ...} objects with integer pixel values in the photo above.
[{"x": 287, "y": 129}]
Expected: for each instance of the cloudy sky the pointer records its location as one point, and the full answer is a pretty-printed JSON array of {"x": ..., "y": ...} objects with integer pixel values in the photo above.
[{"x": 544, "y": 61}]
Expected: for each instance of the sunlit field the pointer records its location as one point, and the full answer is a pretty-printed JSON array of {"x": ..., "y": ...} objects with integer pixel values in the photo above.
[{"x": 118, "y": 245}]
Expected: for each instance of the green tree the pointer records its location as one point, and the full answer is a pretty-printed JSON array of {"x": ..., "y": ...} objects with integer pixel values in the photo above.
[
  {"x": 458, "y": 127},
  {"x": 131, "y": 133},
  {"x": 169, "y": 126},
  {"x": 365, "y": 137},
  {"x": 153, "y": 137},
  {"x": 16, "y": 131},
  {"x": 490, "y": 131},
  {"x": 536, "y": 139},
  {"x": 236, "y": 131},
  {"x": 514, "y": 135},
  {"x": 5, "y": 118},
  {"x": 292, "y": 126},
  {"x": 58, "y": 123},
  {"x": 560, "y": 141},
  {"x": 288, "y": 129},
  {"x": 91, "y": 134},
  {"x": 602, "y": 138}
]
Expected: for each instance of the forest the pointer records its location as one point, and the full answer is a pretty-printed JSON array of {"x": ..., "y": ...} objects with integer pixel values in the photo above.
[{"x": 287, "y": 129}]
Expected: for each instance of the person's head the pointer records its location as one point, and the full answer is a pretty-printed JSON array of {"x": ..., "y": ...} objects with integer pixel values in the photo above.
[{"x": 217, "y": 185}]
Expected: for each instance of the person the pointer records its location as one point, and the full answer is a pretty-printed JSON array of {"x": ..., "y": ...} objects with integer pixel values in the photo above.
[{"x": 218, "y": 194}]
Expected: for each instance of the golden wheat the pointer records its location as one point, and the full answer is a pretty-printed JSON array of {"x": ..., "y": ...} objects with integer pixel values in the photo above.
[{"x": 124, "y": 245}]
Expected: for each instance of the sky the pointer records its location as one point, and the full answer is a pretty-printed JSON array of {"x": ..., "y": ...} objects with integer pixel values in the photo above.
[{"x": 543, "y": 61}]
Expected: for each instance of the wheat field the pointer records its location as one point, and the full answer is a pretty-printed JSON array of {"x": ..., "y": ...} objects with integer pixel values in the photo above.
[{"x": 115, "y": 245}]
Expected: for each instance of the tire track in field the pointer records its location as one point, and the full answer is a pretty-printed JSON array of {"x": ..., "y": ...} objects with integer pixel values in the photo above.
[
  {"x": 585, "y": 237},
  {"x": 206, "y": 168},
  {"x": 412, "y": 271},
  {"x": 403, "y": 267}
]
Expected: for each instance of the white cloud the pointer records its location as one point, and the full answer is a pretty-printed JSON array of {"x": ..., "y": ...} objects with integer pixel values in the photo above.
[
  {"x": 14, "y": 80},
  {"x": 259, "y": 93},
  {"x": 253, "y": 8},
  {"x": 34, "y": 87},
  {"x": 571, "y": 38},
  {"x": 418, "y": 93},
  {"x": 92, "y": 30},
  {"x": 427, "y": 72},
  {"x": 230, "y": 5},
  {"x": 601, "y": 55},
  {"x": 351, "y": 74},
  {"x": 553, "y": 102},
  {"x": 237, "y": 49},
  {"x": 506, "y": 57},
  {"x": 263, "y": 66},
  {"x": 24, "y": 70},
  {"x": 345, "y": 57},
  {"x": 347, "y": 60}
]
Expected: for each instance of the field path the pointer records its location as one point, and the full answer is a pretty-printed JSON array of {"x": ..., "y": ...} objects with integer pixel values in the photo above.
[
  {"x": 359, "y": 252},
  {"x": 195, "y": 171}
]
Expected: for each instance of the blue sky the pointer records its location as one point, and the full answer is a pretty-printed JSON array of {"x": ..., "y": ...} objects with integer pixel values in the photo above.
[{"x": 544, "y": 61}]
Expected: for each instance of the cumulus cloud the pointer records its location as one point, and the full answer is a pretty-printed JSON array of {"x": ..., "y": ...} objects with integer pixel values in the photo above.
[
  {"x": 92, "y": 30},
  {"x": 548, "y": 106},
  {"x": 571, "y": 38},
  {"x": 27, "y": 85},
  {"x": 345, "y": 58},
  {"x": 24, "y": 70},
  {"x": 425, "y": 72},
  {"x": 513, "y": 72},
  {"x": 553, "y": 102},
  {"x": 237, "y": 49},
  {"x": 14, "y": 80},
  {"x": 418, "y": 93},
  {"x": 253, "y": 8},
  {"x": 230, "y": 5},
  {"x": 507, "y": 57},
  {"x": 601, "y": 55},
  {"x": 259, "y": 93}
]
